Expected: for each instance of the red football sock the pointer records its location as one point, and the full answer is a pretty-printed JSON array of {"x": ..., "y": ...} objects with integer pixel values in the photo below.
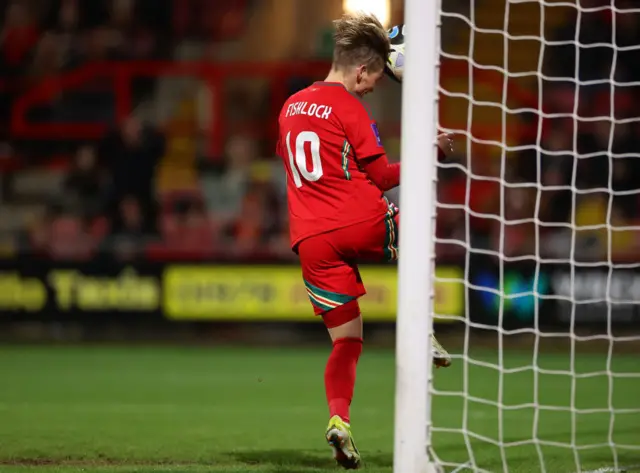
[{"x": 340, "y": 375}]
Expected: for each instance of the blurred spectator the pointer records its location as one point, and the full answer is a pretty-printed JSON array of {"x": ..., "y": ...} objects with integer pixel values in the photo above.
[
  {"x": 128, "y": 237},
  {"x": 104, "y": 43},
  {"x": 279, "y": 241},
  {"x": 222, "y": 21},
  {"x": 224, "y": 188},
  {"x": 86, "y": 15},
  {"x": 70, "y": 238},
  {"x": 47, "y": 60},
  {"x": 479, "y": 193},
  {"x": 66, "y": 17},
  {"x": 556, "y": 164},
  {"x": 257, "y": 222},
  {"x": 581, "y": 41},
  {"x": 86, "y": 184},
  {"x": 135, "y": 40},
  {"x": 626, "y": 39},
  {"x": 18, "y": 38},
  {"x": 133, "y": 152},
  {"x": 516, "y": 233},
  {"x": 625, "y": 186},
  {"x": 37, "y": 236},
  {"x": 189, "y": 233}
]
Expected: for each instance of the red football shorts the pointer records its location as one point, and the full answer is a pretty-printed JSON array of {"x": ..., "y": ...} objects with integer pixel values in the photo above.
[{"x": 329, "y": 261}]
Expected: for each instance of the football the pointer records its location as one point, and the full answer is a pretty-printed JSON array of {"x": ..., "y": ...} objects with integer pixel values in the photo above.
[{"x": 395, "y": 62}]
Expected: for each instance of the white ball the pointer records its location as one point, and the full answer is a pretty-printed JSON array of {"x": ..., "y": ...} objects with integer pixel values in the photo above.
[{"x": 395, "y": 63}]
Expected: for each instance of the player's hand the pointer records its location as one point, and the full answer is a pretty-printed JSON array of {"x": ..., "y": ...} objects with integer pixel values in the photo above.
[{"x": 445, "y": 143}]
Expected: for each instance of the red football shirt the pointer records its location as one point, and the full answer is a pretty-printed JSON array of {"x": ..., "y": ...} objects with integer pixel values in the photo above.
[{"x": 324, "y": 132}]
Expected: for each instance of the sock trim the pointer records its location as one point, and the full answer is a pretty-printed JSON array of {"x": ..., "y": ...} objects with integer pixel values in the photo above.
[{"x": 339, "y": 341}]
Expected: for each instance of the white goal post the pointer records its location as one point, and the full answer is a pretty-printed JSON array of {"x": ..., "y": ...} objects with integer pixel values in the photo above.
[
  {"x": 415, "y": 292},
  {"x": 545, "y": 375}
]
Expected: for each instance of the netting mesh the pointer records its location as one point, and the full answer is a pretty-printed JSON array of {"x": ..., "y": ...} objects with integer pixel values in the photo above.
[{"x": 542, "y": 204}]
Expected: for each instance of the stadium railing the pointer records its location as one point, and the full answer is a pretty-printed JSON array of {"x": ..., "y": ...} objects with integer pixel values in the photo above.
[{"x": 216, "y": 75}]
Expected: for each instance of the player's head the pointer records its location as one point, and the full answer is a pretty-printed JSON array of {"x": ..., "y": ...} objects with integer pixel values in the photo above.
[{"x": 360, "y": 52}]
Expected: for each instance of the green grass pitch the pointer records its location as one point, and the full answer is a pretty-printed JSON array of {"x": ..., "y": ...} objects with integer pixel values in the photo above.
[{"x": 162, "y": 410}]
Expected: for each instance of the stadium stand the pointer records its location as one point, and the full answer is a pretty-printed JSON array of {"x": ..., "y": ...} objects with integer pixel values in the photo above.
[{"x": 160, "y": 177}]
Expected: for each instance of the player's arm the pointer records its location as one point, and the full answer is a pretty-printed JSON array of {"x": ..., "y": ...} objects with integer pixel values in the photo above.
[
  {"x": 381, "y": 172},
  {"x": 362, "y": 133},
  {"x": 386, "y": 175}
]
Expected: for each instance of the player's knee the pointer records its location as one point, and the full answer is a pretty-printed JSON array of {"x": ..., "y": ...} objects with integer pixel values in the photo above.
[
  {"x": 343, "y": 315},
  {"x": 351, "y": 346}
]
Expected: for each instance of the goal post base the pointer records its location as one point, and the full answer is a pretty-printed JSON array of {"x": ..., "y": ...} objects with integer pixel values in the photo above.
[{"x": 433, "y": 468}]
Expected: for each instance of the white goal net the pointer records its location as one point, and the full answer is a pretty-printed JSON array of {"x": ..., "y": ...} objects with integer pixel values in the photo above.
[{"x": 540, "y": 210}]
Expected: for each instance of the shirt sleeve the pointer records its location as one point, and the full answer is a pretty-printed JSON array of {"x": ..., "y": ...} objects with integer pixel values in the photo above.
[
  {"x": 362, "y": 132},
  {"x": 383, "y": 174}
]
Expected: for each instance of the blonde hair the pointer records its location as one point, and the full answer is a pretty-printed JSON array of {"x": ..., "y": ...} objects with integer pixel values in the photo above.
[{"x": 360, "y": 38}]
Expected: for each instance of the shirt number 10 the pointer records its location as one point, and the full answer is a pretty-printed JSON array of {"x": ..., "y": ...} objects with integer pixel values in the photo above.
[{"x": 298, "y": 162}]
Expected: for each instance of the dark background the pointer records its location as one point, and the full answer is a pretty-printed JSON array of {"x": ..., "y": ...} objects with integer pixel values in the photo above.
[{"x": 140, "y": 134}]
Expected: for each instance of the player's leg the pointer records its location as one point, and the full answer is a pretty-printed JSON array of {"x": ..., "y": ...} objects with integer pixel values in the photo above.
[
  {"x": 381, "y": 243},
  {"x": 334, "y": 286},
  {"x": 340, "y": 379},
  {"x": 344, "y": 324}
]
